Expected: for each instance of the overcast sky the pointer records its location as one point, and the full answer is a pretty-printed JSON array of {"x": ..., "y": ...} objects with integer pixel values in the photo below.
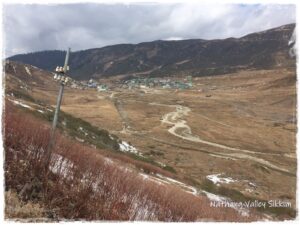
[{"x": 29, "y": 28}]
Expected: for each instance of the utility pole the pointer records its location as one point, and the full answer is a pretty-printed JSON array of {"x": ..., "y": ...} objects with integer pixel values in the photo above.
[{"x": 61, "y": 77}]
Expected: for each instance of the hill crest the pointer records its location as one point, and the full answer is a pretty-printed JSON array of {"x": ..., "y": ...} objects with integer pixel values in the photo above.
[{"x": 196, "y": 57}]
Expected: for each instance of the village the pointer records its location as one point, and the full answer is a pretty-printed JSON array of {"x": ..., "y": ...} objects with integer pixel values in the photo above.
[{"x": 135, "y": 83}]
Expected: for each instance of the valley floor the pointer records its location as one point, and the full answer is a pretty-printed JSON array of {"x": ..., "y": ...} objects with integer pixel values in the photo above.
[
  {"x": 233, "y": 134},
  {"x": 241, "y": 125}
]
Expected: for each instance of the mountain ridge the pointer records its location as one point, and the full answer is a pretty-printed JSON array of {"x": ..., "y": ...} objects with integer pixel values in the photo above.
[{"x": 196, "y": 57}]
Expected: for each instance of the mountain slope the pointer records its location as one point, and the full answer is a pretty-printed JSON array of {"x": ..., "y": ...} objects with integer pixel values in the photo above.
[{"x": 262, "y": 50}]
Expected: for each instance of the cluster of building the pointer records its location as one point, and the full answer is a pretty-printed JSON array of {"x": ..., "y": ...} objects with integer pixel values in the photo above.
[
  {"x": 137, "y": 83},
  {"x": 88, "y": 84},
  {"x": 158, "y": 83}
]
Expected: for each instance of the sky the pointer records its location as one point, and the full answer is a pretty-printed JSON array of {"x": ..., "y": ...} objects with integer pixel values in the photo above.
[{"x": 32, "y": 27}]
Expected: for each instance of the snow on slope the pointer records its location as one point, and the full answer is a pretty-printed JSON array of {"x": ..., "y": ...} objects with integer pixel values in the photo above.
[
  {"x": 216, "y": 179},
  {"x": 125, "y": 147}
]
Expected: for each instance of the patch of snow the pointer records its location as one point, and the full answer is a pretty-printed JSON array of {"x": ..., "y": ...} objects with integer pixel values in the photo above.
[
  {"x": 252, "y": 184},
  {"x": 22, "y": 87},
  {"x": 79, "y": 139},
  {"x": 216, "y": 179},
  {"x": 184, "y": 186},
  {"x": 248, "y": 190},
  {"x": 125, "y": 147},
  {"x": 83, "y": 131},
  {"x": 154, "y": 179},
  {"x": 142, "y": 210},
  {"x": 161, "y": 164},
  {"x": 61, "y": 165},
  {"x": 170, "y": 179},
  {"x": 216, "y": 198},
  {"x": 21, "y": 104},
  {"x": 145, "y": 176},
  {"x": 28, "y": 71},
  {"x": 111, "y": 137},
  {"x": 41, "y": 111},
  {"x": 14, "y": 68}
]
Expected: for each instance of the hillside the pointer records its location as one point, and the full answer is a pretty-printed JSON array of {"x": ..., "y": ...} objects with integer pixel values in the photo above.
[
  {"x": 197, "y": 57},
  {"x": 76, "y": 190},
  {"x": 117, "y": 183},
  {"x": 227, "y": 137}
]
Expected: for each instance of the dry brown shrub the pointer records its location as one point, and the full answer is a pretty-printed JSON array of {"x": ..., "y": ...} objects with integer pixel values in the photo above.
[
  {"x": 86, "y": 186},
  {"x": 15, "y": 208}
]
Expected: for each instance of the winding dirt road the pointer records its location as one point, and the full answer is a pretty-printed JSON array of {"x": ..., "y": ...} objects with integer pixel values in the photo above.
[{"x": 182, "y": 130}]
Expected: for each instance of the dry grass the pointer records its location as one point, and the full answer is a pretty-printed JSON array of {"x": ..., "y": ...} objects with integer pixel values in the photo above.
[
  {"x": 252, "y": 110},
  {"x": 15, "y": 208},
  {"x": 82, "y": 184}
]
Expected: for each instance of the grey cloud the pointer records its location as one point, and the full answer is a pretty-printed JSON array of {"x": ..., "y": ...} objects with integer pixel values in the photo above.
[{"x": 29, "y": 28}]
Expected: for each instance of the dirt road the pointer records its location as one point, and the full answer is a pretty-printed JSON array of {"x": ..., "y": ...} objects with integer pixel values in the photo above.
[{"x": 181, "y": 129}]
